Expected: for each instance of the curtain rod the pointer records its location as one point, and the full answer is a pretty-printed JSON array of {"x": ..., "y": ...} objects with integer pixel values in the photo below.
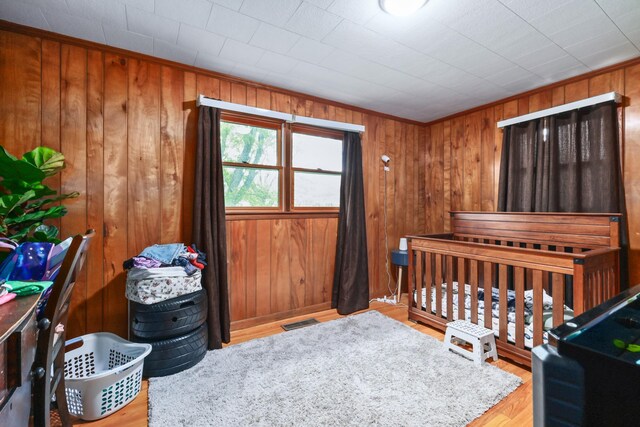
[
  {"x": 290, "y": 118},
  {"x": 611, "y": 96}
]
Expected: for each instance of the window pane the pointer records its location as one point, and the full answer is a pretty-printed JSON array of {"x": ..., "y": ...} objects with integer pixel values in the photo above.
[
  {"x": 316, "y": 152},
  {"x": 316, "y": 190},
  {"x": 248, "y": 144},
  {"x": 250, "y": 187}
]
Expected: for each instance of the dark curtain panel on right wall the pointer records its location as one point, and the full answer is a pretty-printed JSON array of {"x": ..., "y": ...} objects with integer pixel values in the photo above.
[{"x": 569, "y": 162}]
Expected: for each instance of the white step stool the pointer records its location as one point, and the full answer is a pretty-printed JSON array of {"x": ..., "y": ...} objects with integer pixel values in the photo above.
[{"x": 482, "y": 339}]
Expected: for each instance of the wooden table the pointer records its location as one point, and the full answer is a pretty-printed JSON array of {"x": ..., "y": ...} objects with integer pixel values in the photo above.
[{"x": 18, "y": 332}]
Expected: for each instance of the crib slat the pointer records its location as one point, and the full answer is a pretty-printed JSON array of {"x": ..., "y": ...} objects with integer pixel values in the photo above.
[
  {"x": 473, "y": 283},
  {"x": 419, "y": 279},
  {"x": 462, "y": 280},
  {"x": 429, "y": 279},
  {"x": 537, "y": 307},
  {"x": 502, "y": 287},
  {"x": 528, "y": 271},
  {"x": 518, "y": 273},
  {"x": 449, "y": 280},
  {"x": 438, "y": 284},
  {"x": 557, "y": 293},
  {"x": 488, "y": 280}
]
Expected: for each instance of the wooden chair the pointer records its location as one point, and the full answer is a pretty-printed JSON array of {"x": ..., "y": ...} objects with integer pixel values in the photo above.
[{"x": 48, "y": 367}]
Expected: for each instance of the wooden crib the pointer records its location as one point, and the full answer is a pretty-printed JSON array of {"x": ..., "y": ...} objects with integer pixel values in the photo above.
[{"x": 567, "y": 256}]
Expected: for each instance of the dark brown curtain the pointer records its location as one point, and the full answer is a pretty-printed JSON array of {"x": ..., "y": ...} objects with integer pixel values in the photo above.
[
  {"x": 351, "y": 276},
  {"x": 209, "y": 228},
  {"x": 563, "y": 163}
]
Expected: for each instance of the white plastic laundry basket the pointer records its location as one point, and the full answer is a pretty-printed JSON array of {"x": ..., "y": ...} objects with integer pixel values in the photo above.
[{"x": 102, "y": 375}]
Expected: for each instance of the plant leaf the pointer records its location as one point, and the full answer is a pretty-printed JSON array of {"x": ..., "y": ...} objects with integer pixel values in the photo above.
[
  {"x": 6, "y": 159},
  {"x": 47, "y": 231},
  {"x": 619, "y": 343},
  {"x": 53, "y": 212},
  {"x": 40, "y": 203},
  {"x": 633, "y": 348},
  {"x": 9, "y": 202},
  {"x": 20, "y": 186},
  {"x": 12, "y": 168},
  {"x": 24, "y": 232},
  {"x": 46, "y": 159}
]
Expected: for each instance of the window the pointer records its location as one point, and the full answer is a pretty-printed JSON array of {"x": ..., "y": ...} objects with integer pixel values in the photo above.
[{"x": 273, "y": 166}]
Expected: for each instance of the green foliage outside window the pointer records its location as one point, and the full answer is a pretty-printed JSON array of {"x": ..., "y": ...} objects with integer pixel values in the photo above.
[{"x": 246, "y": 186}]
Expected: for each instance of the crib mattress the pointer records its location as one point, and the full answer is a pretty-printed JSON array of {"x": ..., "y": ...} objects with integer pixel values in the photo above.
[{"x": 495, "y": 310}]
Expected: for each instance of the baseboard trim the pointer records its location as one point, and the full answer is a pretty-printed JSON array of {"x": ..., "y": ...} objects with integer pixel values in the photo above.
[{"x": 247, "y": 323}]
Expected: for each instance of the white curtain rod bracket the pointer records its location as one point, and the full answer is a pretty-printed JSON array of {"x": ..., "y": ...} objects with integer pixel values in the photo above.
[
  {"x": 611, "y": 96},
  {"x": 289, "y": 118}
]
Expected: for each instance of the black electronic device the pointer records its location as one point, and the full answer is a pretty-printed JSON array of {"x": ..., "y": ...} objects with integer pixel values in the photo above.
[{"x": 588, "y": 374}]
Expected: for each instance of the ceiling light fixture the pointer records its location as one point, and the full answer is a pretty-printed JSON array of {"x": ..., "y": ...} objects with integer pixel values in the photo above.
[{"x": 401, "y": 7}]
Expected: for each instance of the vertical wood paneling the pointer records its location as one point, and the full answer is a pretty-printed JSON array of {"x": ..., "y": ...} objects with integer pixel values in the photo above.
[
  {"x": 576, "y": 90},
  {"x": 225, "y": 90},
  {"x": 143, "y": 119},
  {"x": 190, "y": 136},
  {"x": 73, "y": 143},
  {"x": 457, "y": 163},
  {"x": 297, "y": 261},
  {"x": 51, "y": 105},
  {"x": 540, "y": 101},
  {"x": 472, "y": 154},
  {"x": 95, "y": 187},
  {"x": 20, "y": 97},
  {"x": 51, "y": 99},
  {"x": 115, "y": 229},
  {"x": 436, "y": 208},
  {"x": 236, "y": 250},
  {"x": 446, "y": 160},
  {"x": 419, "y": 177},
  {"x": 250, "y": 269},
  {"x": 171, "y": 154},
  {"x": 263, "y": 267}
]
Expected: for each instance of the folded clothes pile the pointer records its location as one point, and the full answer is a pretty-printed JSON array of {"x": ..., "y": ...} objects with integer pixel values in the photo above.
[
  {"x": 161, "y": 272},
  {"x": 169, "y": 255}
]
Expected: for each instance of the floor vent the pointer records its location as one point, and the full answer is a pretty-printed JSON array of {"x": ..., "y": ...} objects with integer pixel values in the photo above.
[{"x": 300, "y": 324}]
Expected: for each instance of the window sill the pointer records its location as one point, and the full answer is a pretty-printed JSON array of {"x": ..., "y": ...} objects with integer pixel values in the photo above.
[{"x": 242, "y": 216}]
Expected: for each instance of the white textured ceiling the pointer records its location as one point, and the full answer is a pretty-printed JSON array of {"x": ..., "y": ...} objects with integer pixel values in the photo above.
[{"x": 452, "y": 55}]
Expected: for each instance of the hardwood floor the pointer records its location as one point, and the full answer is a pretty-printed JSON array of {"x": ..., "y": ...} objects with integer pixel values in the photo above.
[{"x": 514, "y": 410}]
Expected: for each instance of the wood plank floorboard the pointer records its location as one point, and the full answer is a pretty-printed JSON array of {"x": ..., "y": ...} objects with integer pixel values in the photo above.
[{"x": 515, "y": 410}]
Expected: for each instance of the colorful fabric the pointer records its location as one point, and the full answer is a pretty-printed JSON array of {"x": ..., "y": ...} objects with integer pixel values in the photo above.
[
  {"x": 141, "y": 262},
  {"x": 7, "y": 297},
  {"x": 23, "y": 289},
  {"x": 161, "y": 288},
  {"x": 163, "y": 253},
  {"x": 155, "y": 273}
]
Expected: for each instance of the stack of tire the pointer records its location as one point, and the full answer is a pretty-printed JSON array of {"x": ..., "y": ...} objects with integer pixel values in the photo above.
[{"x": 176, "y": 329}]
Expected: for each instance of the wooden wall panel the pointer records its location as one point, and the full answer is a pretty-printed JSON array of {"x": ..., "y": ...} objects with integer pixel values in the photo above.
[
  {"x": 143, "y": 128},
  {"x": 171, "y": 154},
  {"x": 20, "y": 97},
  {"x": 95, "y": 186},
  {"x": 73, "y": 144},
  {"x": 115, "y": 227}
]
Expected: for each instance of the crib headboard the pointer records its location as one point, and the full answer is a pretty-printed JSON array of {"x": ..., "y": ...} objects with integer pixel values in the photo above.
[{"x": 561, "y": 229}]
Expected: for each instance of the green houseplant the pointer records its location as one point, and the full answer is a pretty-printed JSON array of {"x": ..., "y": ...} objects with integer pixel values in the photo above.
[{"x": 25, "y": 202}]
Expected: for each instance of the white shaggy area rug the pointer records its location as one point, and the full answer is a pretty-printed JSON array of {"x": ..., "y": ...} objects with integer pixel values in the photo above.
[{"x": 366, "y": 369}]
